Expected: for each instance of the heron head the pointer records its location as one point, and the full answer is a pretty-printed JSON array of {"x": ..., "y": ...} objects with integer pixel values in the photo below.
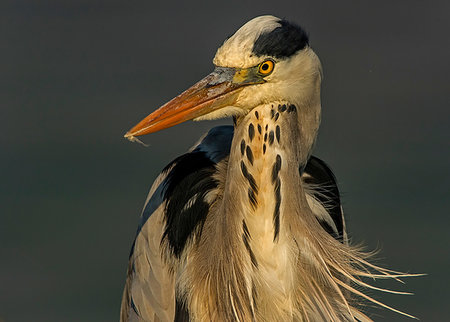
[{"x": 267, "y": 60}]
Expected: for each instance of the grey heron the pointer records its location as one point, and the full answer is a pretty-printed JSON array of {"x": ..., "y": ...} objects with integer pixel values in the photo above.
[{"x": 248, "y": 225}]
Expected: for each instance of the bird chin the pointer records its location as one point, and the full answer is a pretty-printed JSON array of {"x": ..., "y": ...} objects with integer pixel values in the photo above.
[{"x": 224, "y": 112}]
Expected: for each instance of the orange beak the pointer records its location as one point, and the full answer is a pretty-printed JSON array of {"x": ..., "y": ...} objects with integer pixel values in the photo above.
[{"x": 217, "y": 90}]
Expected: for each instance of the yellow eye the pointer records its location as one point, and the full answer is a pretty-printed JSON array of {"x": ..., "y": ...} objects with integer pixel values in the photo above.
[{"x": 266, "y": 67}]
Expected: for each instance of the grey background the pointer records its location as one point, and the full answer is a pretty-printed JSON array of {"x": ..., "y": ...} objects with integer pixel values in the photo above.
[{"x": 75, "y": 75}]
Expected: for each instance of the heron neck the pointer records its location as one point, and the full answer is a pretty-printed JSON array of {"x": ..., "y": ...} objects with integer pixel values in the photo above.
[
  {"x": 247, "y": 230},
  {"x": 269, "y": 145},
  {"x": 262, "y": 195}
]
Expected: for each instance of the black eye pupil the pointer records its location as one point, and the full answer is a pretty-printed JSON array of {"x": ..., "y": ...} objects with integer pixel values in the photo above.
[{"x": 265, "y": 67}]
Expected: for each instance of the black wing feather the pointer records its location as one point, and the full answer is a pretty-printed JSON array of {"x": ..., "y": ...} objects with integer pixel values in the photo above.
[
  {"x": 186, "y": 186},
  {"x": 320, "y": 175}
]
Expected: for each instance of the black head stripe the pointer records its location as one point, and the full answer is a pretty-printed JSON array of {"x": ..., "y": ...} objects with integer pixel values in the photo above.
[{"x": 282, "y": 42}]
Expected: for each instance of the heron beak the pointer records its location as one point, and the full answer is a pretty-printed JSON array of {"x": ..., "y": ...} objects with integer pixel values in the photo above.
[{"x": 219, "y": 89}]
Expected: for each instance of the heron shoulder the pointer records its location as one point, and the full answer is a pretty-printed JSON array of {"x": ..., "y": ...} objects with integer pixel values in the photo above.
[{"x": 183, "y": 185}]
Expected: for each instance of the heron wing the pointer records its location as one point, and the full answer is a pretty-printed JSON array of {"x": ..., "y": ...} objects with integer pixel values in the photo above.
[{"x": 174, "y": 209}]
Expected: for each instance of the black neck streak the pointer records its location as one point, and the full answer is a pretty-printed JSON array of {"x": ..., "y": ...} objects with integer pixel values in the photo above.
[{"x": 262, "y": 143}]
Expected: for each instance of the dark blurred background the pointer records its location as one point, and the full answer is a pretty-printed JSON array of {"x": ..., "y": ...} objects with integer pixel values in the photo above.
[{"x": 75, "y": 75}]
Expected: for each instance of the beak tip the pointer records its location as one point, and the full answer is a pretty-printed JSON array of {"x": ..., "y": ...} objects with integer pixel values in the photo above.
[{"x": 128, "y": 136}]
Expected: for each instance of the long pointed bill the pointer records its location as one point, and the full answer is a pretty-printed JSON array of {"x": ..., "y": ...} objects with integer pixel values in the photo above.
[{"x": 217, "y": 90}]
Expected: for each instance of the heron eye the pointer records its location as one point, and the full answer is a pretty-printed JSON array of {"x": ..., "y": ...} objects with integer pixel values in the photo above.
[{"x": 266, "y": 67}]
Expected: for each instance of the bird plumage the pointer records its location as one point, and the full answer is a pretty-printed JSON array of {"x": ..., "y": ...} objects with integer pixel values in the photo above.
[
  {"x": 248, "y": 225},
  {"x": 177, "y": 194}
]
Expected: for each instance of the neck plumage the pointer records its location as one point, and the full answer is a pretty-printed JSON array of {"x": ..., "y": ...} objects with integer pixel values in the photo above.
[
  {"x": 264, "y": 194},
  {"x": 247, "y": 238},
  {"x": 267, "y": 150}
]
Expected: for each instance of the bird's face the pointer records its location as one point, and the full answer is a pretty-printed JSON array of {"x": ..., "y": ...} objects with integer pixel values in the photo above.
[{"x": 266, "y": 60}]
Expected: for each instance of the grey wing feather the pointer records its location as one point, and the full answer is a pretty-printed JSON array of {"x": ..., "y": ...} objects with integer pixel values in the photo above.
[{"x": 149, "y": 293}]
